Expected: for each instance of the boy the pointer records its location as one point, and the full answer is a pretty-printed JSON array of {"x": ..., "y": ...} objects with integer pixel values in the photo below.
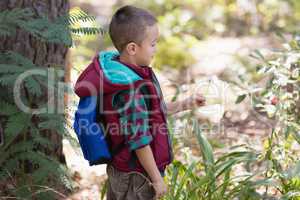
[{"x": 136, "y": 171}]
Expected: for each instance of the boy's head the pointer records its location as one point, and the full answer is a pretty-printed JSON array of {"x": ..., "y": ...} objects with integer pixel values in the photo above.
[{"x": 134, "y": 32}]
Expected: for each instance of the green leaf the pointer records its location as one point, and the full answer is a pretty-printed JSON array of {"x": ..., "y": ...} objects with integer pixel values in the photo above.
[
  {"x": 187, "y": 174},
  {"x": 257, "y": 55},
  {"x": 7, "y": 68},
  {"x": 8, "y": 80},
  {"x": 23, "y": 146},
  {"x": 15, "y": 125},
  {"x": 226, "y": 183},
  {"x": 175, "y": 173},
  {"x": 225, "y": 167},
  {"x": 86, "y": 31},
  {"x": 18, "y": 59},
  {"x": 208, "y": 157},
  {"x": 33, "y": 86},
  {"x": 240, "y": 98},
  {"x": 237, "y": 154},
  {"x": 261, "y": 69},
  {"x": 280, "y": 35},
  {"x": 77, "y": 15},
  {"x": 205, "y": 147},
  {"x": 58, "y": 33},
  {"x": 37, "y": 138},
  {"x": 7, "y": 109},
  {"x": 53, "y": 124},
  {"x": 103, "y": 190},
  {"x": 10, "y": 20}
]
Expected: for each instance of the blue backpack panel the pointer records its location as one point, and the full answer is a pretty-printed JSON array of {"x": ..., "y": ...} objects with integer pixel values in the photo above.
[{"x": 90, "y": 133}]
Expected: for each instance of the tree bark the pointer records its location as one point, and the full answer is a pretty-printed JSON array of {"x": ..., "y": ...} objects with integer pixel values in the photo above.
[{"x": 41, "y": 53}]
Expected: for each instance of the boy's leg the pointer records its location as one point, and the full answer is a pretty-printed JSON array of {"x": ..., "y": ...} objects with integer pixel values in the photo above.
[
  {"x": 109, "y": 192},
  {"x": 141, "y": 188},
  {"x": 117, "y": 185},
  {"x": 128, "y": 186}
]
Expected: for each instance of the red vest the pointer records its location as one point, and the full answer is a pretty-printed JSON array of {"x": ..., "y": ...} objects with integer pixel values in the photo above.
[{"x": 93, "y": 81}]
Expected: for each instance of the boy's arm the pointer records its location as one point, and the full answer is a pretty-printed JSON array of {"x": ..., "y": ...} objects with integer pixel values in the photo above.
[
  {"x": 134, "y": 120},
  {"x": 176, "y": 106},
  {"x": 188, "y": 103},
  {"x": 146, "y": 159}
]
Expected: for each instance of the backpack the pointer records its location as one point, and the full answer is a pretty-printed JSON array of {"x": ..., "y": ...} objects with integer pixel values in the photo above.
[
  {"x": 89, "y": 125},
  {"x": 89, "y": 128}
]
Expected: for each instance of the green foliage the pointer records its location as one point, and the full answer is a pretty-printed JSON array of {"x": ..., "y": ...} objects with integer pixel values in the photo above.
[
  {"x": 281, "y": 96},
  {"x": 172, "y": 52},
  {"x": 206, "y": 17},
  {"x": 26, "y": 162},
  {"x": 25, "y": 143},
  {"x": 10, "y": 20},
  {"x": 60, "y": 30},
  {"x": 218, "y": 181},
  {"x": 76, "y": 15},
  {"x": 76, "y": 21},
  {"x": 280, "y": 101}
]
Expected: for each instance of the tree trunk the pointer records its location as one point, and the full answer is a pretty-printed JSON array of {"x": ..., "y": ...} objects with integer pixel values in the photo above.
[{"x": 41, "y": 53}]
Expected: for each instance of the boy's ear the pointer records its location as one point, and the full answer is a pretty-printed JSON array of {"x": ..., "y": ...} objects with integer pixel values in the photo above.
[{"x": 131, "y": 48}]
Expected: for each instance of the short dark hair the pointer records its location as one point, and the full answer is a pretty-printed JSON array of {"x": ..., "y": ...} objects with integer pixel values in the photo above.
[{"x": 128, "y": 24}]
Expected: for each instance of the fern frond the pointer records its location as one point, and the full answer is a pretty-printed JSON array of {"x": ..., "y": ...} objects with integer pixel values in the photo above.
[
  {"x": 38, "y": 139},
  {"x": 18, "y": 14},
  {"x": 6, "y": 30},
  {"x": 77, "y": 15},
  {"x": 46, "y": 168},
  {"x": 11, "y": 57},
  {"x": 8, "y": 80},
  {"x": 10, "y": 20},
  {"x": 23, "y": 146},
  {"x": 10, "y": 165},
  {"x": 14, "y": 126},
  {"x": 7, "y": 68},
  {"x": 86, "y": 31},
  {"x": 36, "y": 158},
  {"x": 33, "y": 86},
  {"x": 57, "y": 31},
  {"x": 7, "y": 109},
  {"x": 52, "y": 124},
  {"x": 37, "y": 26}
]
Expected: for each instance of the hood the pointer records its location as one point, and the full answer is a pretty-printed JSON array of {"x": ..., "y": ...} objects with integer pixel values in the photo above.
[{"x": 105, "y": 75}]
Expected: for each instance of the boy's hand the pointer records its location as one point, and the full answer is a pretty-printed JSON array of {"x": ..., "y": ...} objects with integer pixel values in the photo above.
[
  {"x": 146, "y": 158},
  {"x": 195, "y": 100},
  {"x": 160, "y": 188}
]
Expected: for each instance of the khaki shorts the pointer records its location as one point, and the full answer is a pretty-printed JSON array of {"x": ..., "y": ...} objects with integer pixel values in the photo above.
[{"x": 128, "y": 186}]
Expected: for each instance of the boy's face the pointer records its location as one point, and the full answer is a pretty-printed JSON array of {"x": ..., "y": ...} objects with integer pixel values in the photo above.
[{"x": 146, "y": 50}]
